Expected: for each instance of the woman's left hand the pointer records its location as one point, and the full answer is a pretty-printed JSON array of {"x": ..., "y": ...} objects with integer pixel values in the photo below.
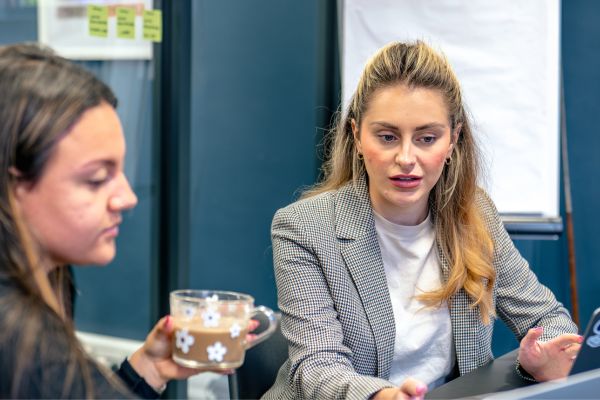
[
  {"x": 153, "y": 360},
  {"x": 548, "y": 360}
]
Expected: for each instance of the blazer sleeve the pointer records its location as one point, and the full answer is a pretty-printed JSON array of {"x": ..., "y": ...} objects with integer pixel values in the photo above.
[
  {"x": 320, "y": 364},
  {"x": 522, "y": 302}
]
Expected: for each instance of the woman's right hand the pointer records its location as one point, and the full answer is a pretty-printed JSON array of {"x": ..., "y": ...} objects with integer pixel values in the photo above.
[
  {"x": 411, "y": 389},
  {"x": 153, "y": 360}
]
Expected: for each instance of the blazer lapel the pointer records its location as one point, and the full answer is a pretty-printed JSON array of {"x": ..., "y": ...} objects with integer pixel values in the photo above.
[{"x": 355, "y": 228}]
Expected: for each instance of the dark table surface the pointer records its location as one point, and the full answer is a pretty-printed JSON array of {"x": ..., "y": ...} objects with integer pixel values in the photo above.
[{"x": 497, "y": 376}]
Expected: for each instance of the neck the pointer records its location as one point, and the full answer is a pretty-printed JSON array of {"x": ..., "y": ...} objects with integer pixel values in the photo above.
[{"x": 409, "y": 216}]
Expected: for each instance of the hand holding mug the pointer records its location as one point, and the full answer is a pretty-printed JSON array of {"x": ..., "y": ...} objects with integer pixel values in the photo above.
[
  {"x": 154, "y": 360},
  {"x": 211, "y": 328}
]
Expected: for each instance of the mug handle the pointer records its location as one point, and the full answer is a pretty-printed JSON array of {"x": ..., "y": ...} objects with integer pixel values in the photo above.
[{"x": 272, "y": 321}]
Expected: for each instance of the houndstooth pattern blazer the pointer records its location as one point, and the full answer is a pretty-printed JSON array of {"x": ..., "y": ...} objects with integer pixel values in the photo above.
[{"x": 336, "y": 309}]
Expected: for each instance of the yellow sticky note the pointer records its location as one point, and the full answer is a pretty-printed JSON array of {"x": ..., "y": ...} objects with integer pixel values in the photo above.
[
  {"x": 125, "y": 22},
  {"x": 98, "y": 20},
  {"x": 153, "y": 25}
]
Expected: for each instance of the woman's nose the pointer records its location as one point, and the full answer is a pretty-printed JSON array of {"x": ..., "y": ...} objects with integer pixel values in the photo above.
[
  {"x": 124, "y": 197},
  {"x": 405, "y": 155}
]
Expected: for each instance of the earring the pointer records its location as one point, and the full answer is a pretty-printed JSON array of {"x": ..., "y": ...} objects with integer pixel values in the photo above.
[
  {"x": 359, "y": 155},
  {"x": 448, "y": 160}
]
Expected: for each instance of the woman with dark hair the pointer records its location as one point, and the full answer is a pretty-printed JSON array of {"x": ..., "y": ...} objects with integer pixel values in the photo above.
[
  {"x": 62, "y": 192},
  {"x": 391, "y": 271}
]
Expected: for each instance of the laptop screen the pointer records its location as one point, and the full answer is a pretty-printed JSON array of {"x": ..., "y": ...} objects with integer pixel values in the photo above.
[{"x": 589, "y": 354}]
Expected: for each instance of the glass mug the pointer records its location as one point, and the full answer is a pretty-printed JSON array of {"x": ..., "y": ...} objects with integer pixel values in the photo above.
[{"x": 210, "y": 327}]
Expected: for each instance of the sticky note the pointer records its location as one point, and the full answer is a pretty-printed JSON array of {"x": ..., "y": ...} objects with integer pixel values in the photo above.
[
  {"x": 153, "y": 25},
  {"x": 98, "y": 20},
  {"x": 125, "y": 22}
]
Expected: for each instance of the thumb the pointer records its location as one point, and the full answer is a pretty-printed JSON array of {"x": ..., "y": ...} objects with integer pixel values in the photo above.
[
  {"x": 532, "y": 337},
  {"x": 414, "y": 388},
  {"x": 167, "y": 324},
  {"x": 158, "y": 340},
  {"x": 161, "y": 331}
]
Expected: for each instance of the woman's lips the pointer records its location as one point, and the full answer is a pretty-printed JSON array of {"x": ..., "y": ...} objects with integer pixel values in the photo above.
[
  {"x": 406, "y": 181},
  {"x": 113, "y": 231}
]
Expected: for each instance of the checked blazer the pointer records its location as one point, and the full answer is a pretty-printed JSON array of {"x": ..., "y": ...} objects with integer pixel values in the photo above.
[{"x": 336, "y": 309}]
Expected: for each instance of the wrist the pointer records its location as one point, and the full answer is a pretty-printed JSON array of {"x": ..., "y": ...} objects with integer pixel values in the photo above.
[
  {"x": 145, "y": 366},
  {"x": 525, "y": 373}
]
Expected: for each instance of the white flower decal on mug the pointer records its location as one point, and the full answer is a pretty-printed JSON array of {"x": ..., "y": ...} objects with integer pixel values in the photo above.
[
  {"x": 216, "y": 352},
  {"x": 211, "y": 318},
  {"x": 189, "y": 311},
  {"x": 212, "y": 298},
  {"x": 183, "y": 340},
  {"x": 235, "y": 330}
]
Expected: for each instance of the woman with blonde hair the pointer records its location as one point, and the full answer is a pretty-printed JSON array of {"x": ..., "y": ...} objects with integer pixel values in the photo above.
[{"x": 391, "y": 271}]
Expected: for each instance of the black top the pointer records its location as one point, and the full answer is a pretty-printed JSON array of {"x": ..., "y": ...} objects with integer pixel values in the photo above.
[{"x": 52, "y": 374}]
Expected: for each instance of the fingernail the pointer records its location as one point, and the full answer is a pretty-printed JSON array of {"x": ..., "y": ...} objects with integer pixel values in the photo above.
[
  {"x": 421, "y": 389},
  {"x": 538, "y": 328},
  {"x": 580, "y": 339},
  {"x": 168, "y": 321}
]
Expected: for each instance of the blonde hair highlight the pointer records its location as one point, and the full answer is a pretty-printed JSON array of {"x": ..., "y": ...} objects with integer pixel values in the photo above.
[{"x": 461, "y": 232}]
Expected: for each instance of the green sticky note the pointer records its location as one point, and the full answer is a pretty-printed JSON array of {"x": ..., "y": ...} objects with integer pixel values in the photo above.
[
  {"x": 125, "y": 22},
  {"x": 98, "y": 20},
  {"x": 153, "y": 25}
]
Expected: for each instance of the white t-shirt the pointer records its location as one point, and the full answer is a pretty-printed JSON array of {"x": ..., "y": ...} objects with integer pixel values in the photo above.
[{"x": 423, "y": 348}]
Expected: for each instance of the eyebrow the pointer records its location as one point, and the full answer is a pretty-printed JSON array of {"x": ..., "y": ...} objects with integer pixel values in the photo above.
[
  {"x": 387, "y": 125},
  {"x": 99, "y": 162}
]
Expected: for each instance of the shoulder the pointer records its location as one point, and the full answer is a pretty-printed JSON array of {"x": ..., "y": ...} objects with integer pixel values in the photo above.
[
  {"x": 38, "y": 350},
  {"x": 307, "y": 218},
  {"x": 484, "y": 202},
  {"x": 486, "y": 207},
  {"x": 491, "y": 218},
  {"x": 348, "y": 202},
  {"x": 30, "y": 334},
  {"x": 309, "y": 208}
]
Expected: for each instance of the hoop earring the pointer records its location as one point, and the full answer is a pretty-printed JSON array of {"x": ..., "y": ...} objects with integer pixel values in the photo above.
[
  {"x": 359, "y": 156},
  {"x": 448, "y": 160}
]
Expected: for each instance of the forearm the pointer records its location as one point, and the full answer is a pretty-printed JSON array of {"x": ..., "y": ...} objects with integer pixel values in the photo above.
[{"x": 324, "y": 378}]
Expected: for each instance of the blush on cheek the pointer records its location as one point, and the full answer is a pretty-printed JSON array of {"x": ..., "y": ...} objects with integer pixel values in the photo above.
[{"x": 441, "y": 159}]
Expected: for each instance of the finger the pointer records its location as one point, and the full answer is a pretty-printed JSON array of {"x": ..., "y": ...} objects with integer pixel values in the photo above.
[
  {"x": 565, "y": 340},
  {"x": 532, "y": 337},
  {"x": 250, "y": 337},
  {"x": 168, "y": 325},
  {"x": 572, "y": 351},
  {"x": 414, "y": 387},
  {"x": 253, "y": 324},
  {"x": 163, "y": 328}
]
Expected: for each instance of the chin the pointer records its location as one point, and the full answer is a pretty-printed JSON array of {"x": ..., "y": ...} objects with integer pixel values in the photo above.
[{"x": 103, "y": 257}]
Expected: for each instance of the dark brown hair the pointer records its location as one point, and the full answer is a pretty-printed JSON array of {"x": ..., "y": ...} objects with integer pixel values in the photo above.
[{"x": 42, "y": 96}]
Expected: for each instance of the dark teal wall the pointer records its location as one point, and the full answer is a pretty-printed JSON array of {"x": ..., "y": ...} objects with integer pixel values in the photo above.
[{"x": 255, "y": 110}]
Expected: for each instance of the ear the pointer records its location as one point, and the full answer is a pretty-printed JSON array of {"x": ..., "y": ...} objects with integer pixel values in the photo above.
[
  {"x": 356, "y": 135},
  {"x": 454, "y": 135},
  {"x": 19, "y": 186}
]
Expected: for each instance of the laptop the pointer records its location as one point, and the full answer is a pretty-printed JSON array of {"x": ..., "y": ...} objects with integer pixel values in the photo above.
[
  {"x": 589, "y": 354},
  {"x": 584, "y": 378}
]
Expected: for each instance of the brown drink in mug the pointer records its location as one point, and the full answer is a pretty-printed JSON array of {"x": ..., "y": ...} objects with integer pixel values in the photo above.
[{"x": 211, "y": 327}]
